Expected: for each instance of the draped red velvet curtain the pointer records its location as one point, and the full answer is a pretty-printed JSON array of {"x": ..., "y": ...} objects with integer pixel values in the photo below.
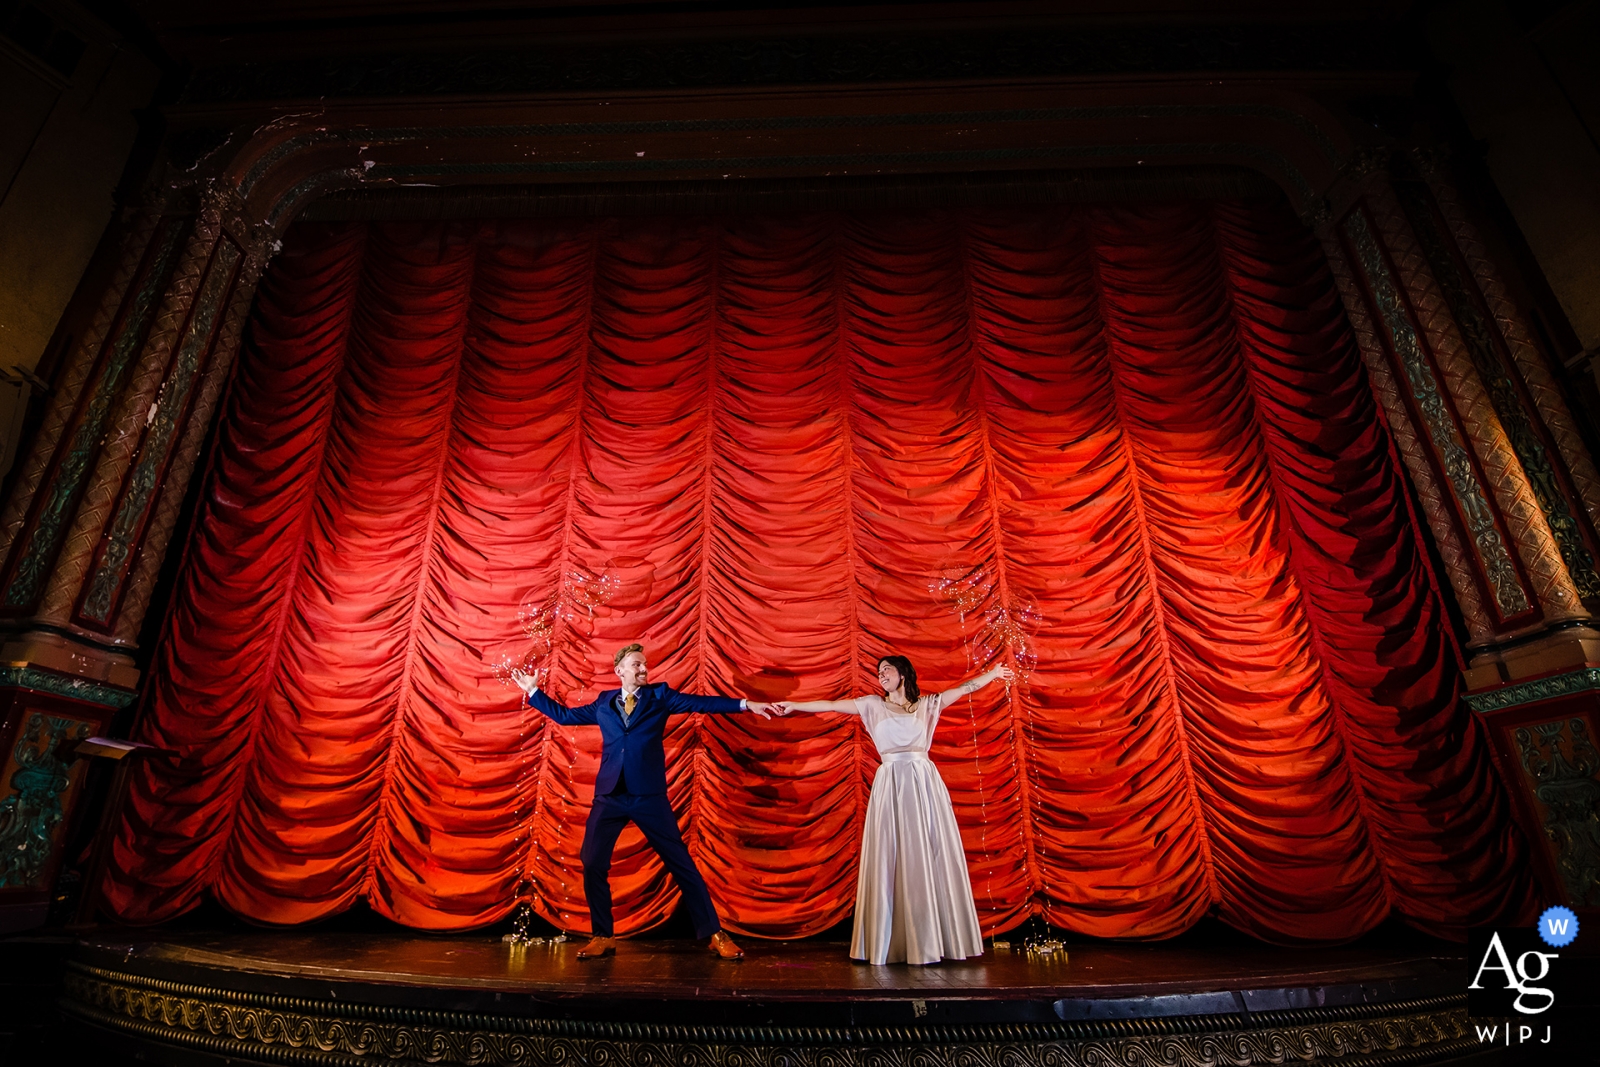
[{"x": 1135, "y": 442}]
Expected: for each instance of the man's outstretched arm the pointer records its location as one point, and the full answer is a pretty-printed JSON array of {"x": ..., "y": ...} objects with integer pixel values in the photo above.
[
  {"x": 553, "y": 709},
  {"x": 687, "y": 703}
]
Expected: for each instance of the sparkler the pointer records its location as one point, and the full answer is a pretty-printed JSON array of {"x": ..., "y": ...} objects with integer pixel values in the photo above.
[
  {"x": 577, "y": 598},
  {"x": 1001, "y": 628},
  {"x": 520, "y": 938},
  {"x": 1004, "y": 627},
  {"x": 579, "y": 595},
  {"x": 1038, "y": 949}
]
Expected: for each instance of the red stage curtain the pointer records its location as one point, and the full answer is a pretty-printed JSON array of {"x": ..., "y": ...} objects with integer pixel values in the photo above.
[{"x": 1143, "y": 433}]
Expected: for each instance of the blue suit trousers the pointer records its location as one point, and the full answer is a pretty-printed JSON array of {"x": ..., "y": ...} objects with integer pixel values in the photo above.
[{"x": 652, "y": 814}]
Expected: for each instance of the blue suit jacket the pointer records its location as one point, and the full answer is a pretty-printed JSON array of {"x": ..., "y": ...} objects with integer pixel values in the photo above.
[{"x": 633, "y": 750}]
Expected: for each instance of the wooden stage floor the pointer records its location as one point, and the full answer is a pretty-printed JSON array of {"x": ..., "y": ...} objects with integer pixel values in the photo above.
[
  {"x": 351, "y": 998},
  {"x": 805, "y": 983}
]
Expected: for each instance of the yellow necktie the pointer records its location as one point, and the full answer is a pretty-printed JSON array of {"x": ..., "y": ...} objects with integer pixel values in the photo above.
[{"x": 628, "y": 701}]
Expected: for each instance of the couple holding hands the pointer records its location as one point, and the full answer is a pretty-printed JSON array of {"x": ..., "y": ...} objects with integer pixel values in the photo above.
[{"x": 913, "y": 899}]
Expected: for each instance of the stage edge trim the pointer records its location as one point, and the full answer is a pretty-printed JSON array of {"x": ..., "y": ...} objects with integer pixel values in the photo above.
[{"x": 279, "y": 1029}]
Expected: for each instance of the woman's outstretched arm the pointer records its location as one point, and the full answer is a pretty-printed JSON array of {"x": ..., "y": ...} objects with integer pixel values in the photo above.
[
  {"x": 972, "y": 685},
  {"x": 846, "y": 706}
]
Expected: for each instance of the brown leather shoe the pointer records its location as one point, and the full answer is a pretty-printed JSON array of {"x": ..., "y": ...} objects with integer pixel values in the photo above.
[
  {"x": 598, "y": 947},
  {"x": 723, "y": 946}
]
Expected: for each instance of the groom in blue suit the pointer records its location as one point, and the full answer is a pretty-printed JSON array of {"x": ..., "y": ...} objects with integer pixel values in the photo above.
[{"x": 632, "y": 787}]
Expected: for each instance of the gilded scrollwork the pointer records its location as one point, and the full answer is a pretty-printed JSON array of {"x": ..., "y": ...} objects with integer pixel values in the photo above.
[
  {"x": 1493, "y": 555},
  {"x": 1430, "y": 495},
  {"x": 275, "y": 1027}
]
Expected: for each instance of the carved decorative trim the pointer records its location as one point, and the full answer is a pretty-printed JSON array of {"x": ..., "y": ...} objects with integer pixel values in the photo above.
[
  {"x": 908, "y": 192},
  {"x": 1548, "y": 400},
  {"x": 153, "y": 547},
  {"x": 1266, "y": 158},
  {"x": 1563, "y": 769},
  {"x": 164, "y": 425},
  {"x": 1503, "y": 393},
  {"x": 1430, "y": 495},
  {"x": 32, "y": 810},
  {"x": 66, "y": 486},
  {"x": 70, "y": 382},
  {"x": 292, "y": 1030},
  {"x": 1364, "y": 161},
  {"x": 1498, "y": 568},
  {"x": 65, "y": 685},
  {"x": 303, "y": 192},
  {"x": 117, "y": 453},
  {"x": 371, "y": 135},
  {"x": 1557, "y": 685},
  {"x": 1507, "y": 485}
]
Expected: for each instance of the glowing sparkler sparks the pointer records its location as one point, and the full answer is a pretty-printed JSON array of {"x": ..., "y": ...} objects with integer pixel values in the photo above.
[
  {"x": 964, "y": 589},
  {"x": 580, "y": 594},
  {"x": 1001, "y": 628},
  {"x": 521, "y": 935},
  {"x": 506, "y": 666},
  {"x": 1011, "y": 630}
]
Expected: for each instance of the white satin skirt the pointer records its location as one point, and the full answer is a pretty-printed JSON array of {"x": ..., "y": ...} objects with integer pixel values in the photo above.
[{"x": 913, "y": 896}]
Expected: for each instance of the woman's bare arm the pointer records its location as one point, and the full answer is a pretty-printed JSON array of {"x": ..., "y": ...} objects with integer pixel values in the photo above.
[
  {"x": 847, "y": 706},
  {"x": 972, "y": 685}
]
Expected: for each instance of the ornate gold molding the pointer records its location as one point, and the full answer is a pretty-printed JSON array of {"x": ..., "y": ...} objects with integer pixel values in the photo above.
[
  {"x": 292, "y": 1030},
  {"x": 1483, "y": 347},
  {"x": 1542, "y": 388},
  {"x": 1529, "y": 530},
  {"x": 1408, "y": 442}
]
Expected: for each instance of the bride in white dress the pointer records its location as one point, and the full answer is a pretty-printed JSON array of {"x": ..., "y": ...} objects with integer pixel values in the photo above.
[{"x": 913, "y": 896}]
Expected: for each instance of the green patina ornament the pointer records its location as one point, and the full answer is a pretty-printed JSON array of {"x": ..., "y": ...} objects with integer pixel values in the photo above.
[{"x": 29, "y": 817}]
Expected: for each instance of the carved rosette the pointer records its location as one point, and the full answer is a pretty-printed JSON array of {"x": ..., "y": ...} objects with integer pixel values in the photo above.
[
  {"x": 289, "y": 1029},
  {"x": 1548, "y": 401},
  {"x": 1529, "y": 529},
  {"x": 1458, "y": 564},
  {"x": 71, "y": 380}
]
